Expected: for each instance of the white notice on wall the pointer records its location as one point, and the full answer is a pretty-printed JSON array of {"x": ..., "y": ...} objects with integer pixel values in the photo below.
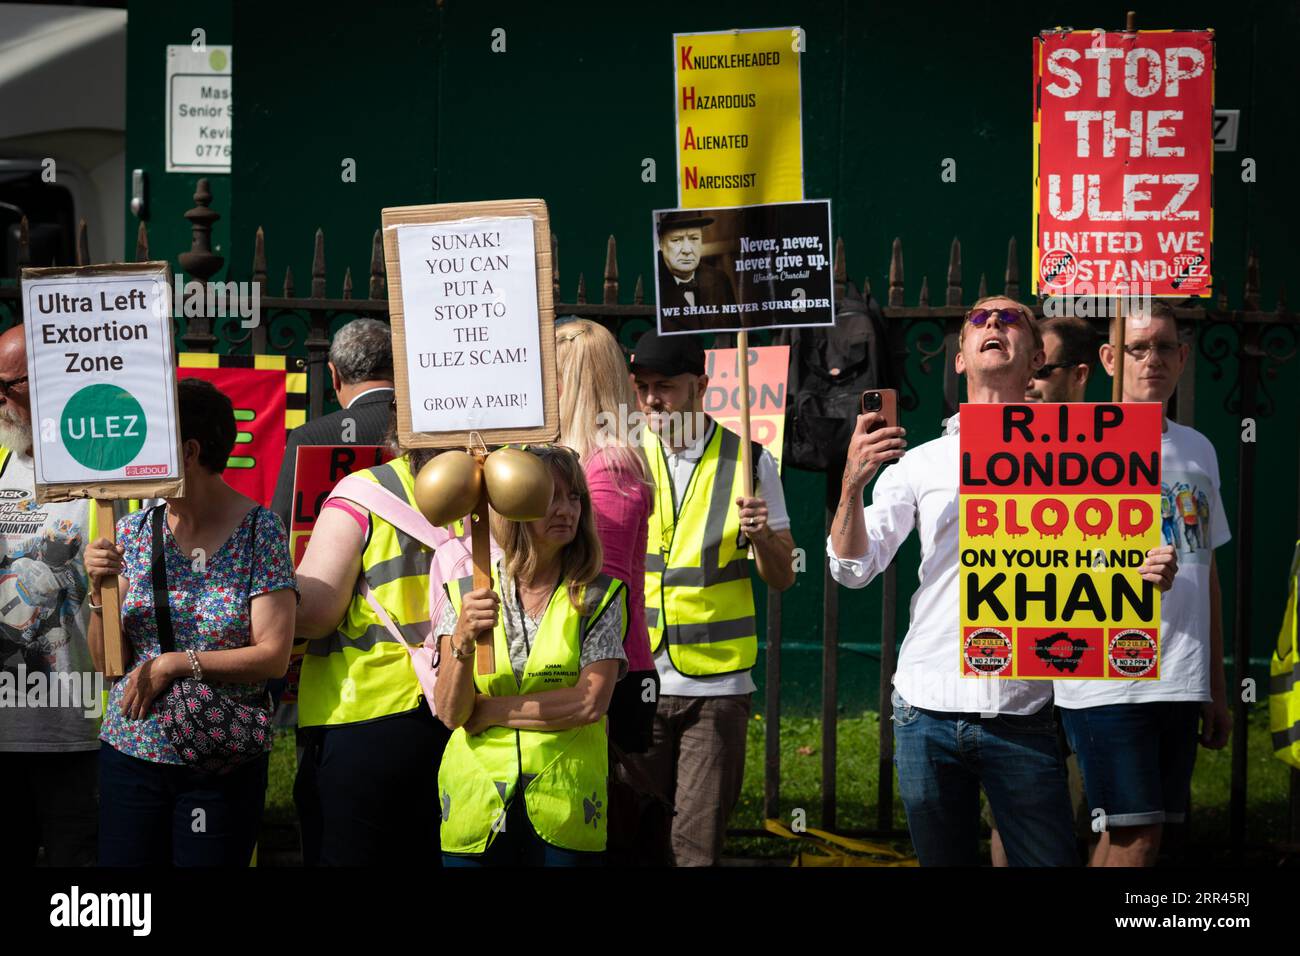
[
  {"x": 199, "y": 109},
  {"x": 101, "y": 378},
  {"x": 469, "y": 302}
]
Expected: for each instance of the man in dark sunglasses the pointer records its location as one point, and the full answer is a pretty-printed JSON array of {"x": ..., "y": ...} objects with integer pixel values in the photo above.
[
  {"x": 955, "y": 737},
  {"x": 1071, "y": 349}
]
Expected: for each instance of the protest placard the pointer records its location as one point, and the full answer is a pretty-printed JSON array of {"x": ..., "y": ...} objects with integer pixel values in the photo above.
[
  {"x": 317, "y": 470},
  {"x": 739, "y": 126},
  {"x": 728, "y": 270},
  {"x": 102, "y": 387},
  {"x": 101, "y": 377},
  {"x": 1058, "y": 506},
  {"x": 1123, "y": 152},
  {"x": 473, "y": 322},
  {"x": 769, "y": 366}
]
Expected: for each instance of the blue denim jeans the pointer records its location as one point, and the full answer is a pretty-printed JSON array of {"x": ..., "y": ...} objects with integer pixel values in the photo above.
[{"x": 944, "y": 758}]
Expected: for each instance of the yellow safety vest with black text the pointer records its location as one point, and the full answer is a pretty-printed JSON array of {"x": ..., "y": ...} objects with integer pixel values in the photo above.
[
  {"x": 698, "y": 595},
  {"x": 563, "y": 772}
]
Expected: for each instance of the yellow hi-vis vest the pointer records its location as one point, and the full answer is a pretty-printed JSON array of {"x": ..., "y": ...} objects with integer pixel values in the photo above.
[
  {"x": 563, "y": 771},
  {"x": 697, "y": 588},
  {"x": 1284, "y": 677},
  {"x": 360, "y": 672}
]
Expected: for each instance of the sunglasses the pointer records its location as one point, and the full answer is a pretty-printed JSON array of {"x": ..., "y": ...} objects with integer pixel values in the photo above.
[
  {"x": 1046, "y": 371},
  {"x": 1008, "y": 316}
]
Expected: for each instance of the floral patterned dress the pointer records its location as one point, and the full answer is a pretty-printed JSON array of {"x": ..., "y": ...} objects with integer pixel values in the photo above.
[{"x": 209, "y": 610}]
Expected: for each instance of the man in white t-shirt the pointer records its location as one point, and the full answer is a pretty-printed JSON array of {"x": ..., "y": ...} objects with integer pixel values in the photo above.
[
  {"x": 955, "y": 735},
  {"x": 1136, "y": 740},
  {"x": 50, "y": 693}
]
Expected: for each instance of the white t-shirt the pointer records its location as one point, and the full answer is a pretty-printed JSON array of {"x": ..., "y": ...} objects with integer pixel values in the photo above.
[
  {"x": 48, "y": 682},
  {"x": 919, "y": 493},
  {"x": 672, "y": 681},
  {"x": 1193, "y": 520}
]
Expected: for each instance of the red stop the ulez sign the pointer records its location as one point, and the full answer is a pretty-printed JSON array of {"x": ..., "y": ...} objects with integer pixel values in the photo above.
[{"x": 1123, "y": 150}]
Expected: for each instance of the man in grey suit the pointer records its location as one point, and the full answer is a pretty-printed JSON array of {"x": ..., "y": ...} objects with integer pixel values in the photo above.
[{"x": 361, "y": 371}]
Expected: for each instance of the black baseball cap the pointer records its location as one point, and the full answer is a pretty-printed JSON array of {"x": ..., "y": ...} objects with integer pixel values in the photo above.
[{"x": 669, "y": 354}]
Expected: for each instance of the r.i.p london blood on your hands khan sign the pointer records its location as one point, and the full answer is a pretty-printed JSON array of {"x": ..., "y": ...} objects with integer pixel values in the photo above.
[{"x": 101, "y": 379}]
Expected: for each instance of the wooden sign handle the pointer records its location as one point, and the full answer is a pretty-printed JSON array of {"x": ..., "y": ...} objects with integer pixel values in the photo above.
[
  {"x": 485, "y": 658},
  {"x": 114, "y": 652},
  {"x": 746, "y": 448}
]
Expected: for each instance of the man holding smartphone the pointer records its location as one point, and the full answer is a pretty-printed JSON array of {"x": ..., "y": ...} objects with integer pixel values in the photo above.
[{"x": 955, "y": 735}]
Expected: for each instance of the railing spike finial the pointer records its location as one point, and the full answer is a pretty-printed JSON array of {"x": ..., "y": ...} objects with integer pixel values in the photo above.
[
  {"x": 142, "y": 243},
  {"x": 924, "y": 299},
  {"x": 953, "y": 296},
  {"x": 347, "y": 282},
  {"x": 1012, "y": 286},
  {"x": 1250, "y": 294},
  {"x": 259, "y": 259},
  {"x": 582, "y": 289},
  {"x": 318, "y": 266},
  {"x": 377, "y": 278},
  {"x": 610, "y": 293},
  {"x": 896, "y": 274},
  {"x": 638, "y": 294},
  {"x": 983, "y": 290},
  {"x": 840, "y": 270},
  {"x": 288, "y": 282},
  {"x": 83, "y": 244}
]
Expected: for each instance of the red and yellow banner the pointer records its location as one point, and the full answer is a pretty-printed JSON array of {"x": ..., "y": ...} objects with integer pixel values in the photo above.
[
  {"x": 270, "y": 401},
  {"x": 317, "y": 470},
  {"x": 1058, "y": 506}
]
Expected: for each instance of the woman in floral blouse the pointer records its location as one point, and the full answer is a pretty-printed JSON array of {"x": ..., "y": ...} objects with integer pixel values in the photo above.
[{"x": 232, "y": 595}]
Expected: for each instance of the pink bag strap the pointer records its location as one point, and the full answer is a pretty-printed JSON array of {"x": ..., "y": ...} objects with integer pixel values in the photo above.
[
  {"x": 363, "y": 586},
  {"x": 392, "y": 509}
]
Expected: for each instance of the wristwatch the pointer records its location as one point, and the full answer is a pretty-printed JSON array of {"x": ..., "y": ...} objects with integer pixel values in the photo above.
[{"x": 457, "y": 653}]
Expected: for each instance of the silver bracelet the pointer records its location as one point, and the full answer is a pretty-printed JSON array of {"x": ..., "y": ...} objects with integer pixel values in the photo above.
[
  {"x": 193, "y": 658},
  {"x": 93, "y": 606}
]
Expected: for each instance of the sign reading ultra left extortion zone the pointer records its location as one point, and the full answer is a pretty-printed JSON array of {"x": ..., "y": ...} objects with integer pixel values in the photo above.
[{"x": 102, "y": 382}]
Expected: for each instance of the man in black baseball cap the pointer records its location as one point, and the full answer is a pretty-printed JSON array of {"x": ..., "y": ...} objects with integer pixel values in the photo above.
[
  {"x": 686, "y": 285},
  {"x": 698, "y": 597}
]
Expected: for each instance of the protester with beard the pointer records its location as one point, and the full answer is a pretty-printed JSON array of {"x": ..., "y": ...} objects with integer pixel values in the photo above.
[
  {"x": 698, "y": 595},
  {"x": 48, "y": 752}
]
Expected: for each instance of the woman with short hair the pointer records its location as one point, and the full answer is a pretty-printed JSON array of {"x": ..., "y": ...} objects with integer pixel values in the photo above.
[{"x": 222, "y": 560}]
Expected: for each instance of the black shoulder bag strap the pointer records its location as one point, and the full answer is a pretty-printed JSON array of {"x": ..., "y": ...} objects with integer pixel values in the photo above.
[{"x": 161, "y": 600}]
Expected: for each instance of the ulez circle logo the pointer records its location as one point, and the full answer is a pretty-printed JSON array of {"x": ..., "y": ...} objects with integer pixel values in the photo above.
[{"x": 103, "y": 427}]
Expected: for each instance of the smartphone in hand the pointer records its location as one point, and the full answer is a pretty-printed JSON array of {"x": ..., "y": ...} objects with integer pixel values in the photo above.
[{"x": 882, "y": 401}]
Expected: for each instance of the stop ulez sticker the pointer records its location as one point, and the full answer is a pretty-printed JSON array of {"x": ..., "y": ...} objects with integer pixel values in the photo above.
[{"x": 101, "y": 382}]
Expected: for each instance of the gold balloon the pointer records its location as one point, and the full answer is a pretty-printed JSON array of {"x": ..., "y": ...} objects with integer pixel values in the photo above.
[
  {"x": 519, "y": 484},
  {"x": 447, "y": 488}
]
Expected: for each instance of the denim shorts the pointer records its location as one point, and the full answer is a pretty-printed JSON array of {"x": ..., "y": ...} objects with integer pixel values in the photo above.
[{"x": 1136, "y": 760}]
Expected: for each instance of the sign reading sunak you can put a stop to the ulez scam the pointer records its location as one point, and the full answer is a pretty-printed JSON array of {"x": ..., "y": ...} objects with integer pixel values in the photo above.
[
  {"x": 102, "y": 381},
  {"x": 1059, "y": 505},
  {"x": 473, "y": 322}
]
